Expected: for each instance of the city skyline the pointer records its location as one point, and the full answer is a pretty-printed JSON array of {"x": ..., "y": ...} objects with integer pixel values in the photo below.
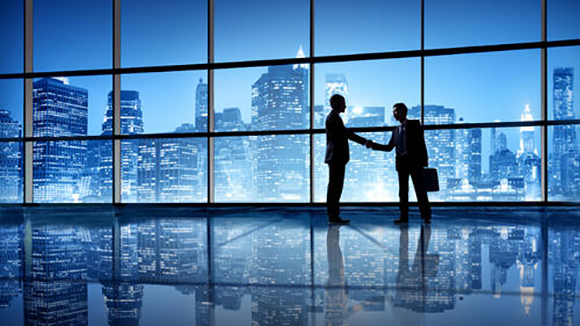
[{"x": 519, "y": 163}]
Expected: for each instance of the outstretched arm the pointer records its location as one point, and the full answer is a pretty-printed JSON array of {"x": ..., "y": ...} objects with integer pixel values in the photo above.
[
  {"x": 388, "y": 147},
  {"x": 355, "y": 138}
]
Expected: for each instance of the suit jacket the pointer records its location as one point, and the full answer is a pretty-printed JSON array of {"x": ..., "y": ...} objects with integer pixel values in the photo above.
[
  {"x": 337, "y": 136},
  {"x": 416, "y": 156}
]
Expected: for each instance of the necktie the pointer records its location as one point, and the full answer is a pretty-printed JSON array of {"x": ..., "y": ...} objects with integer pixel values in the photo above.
[{"x": 401, "y": 146}]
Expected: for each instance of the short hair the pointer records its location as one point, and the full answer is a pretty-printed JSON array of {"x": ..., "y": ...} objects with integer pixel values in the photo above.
[
  {"x": 334, "y": 100},
  {"x": 400, "y": 106}
]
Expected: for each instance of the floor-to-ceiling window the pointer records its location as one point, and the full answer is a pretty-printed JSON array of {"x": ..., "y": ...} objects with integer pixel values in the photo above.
[{"x": 221, "y": 101}]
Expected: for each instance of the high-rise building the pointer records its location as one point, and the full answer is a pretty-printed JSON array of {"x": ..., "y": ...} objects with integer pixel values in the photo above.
[
  {"x": 168, "y": 169},
  {"x": 440, "y": 144},
  {"x": 201, "y": 110},
  {"x": 280, "y": 101},
  {"x": 10, "y": 160},
  {"x": 366, "y": 167},
  {"x": 59, "y": 110},
  {"x": 529, "y": 162},
  {"x": 564, "y": 139},
  {"x": 131, "y": 124},
  {"x": 233, "y": 160},
  {"x": 335, "y": 84},
  {"x": 468, "y": 155}
]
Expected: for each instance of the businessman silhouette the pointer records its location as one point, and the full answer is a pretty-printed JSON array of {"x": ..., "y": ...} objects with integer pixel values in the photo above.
[
  {"x": 337, "y": 156},
  {"x": 411, "y": 158}
]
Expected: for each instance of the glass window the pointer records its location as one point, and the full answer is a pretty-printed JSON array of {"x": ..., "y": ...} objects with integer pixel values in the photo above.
[
  {"x": 492, "y": 164},
  {"x": 71, "y": 34},
  {"x": 11, "y": 108},
  {"x": 456, "y": 23},
  {"x": 563, "y": 163},
  {"x": 162, "y": 32},
  {"x": 261, "y": 29},
  {"x": 71, "y": 106},
  {"x": 345, "y": 27},
  {"x": 370, "y": 89},
  {"x": 11, "y": 173},
  {"x": 272, "y": 168},
  {"x": 164, "y": 102},
  {"x": 563, "y": 66},
  {"x": 12, "y": 36},
  {"x": 370, "y": 175},
  {"x": 164, "y": 170},
  {"x": 562, "y": 19},
  {"x": 269, "y": 98},
  {"x": 75, "y": 171},
  {"x": 486, "y": 87}
]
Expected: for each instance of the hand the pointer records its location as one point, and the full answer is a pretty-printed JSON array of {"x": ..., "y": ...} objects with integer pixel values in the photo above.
[{"x": 369, "y": 144}]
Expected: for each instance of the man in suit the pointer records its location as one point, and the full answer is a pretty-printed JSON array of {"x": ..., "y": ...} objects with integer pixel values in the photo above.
[
  {"x": 411, "y": 158},
  {"x": 337, "y": 156}
]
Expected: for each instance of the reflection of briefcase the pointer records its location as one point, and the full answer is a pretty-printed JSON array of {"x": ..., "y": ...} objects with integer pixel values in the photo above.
[{"x": 430, "y": 179}]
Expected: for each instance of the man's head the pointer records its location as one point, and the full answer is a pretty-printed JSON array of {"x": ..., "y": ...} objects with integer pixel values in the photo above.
[
  {"x": 337, "y": 103},
  {"x": 400, "y": 112}
]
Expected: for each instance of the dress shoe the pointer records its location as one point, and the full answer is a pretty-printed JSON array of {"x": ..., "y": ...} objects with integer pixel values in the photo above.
[{"x": 337, "y": 220}]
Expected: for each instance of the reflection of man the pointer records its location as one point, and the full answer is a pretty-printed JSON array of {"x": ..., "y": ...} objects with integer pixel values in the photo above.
[
  {"x": 336, "y": 299},
  {"x": 337, "y": 155},
  {"x": 411, "y": 280},
  {"x": 409, "y": 141}
]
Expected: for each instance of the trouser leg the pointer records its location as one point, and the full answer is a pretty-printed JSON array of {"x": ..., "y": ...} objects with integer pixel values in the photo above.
[
  {"x": 403, "y": 192},
  {"x": 335, "y": 185},
  {"x": 422, "y": 198}
]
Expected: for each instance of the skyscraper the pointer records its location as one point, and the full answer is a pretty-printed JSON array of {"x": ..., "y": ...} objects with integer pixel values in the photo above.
[
  {"x": 233, "y": 160},
  {"x": 366, "y": 167},
  {"x": 58, "y": 110},
  {"x": 201, "y": 107},
  {"x": 529, "y": 162},
  {"x": 10, "y": 159},
  {"x": 440, "y": 144},
  {"x": 168, "y": 169},
  {"x": 564, "y": 139},
  {"x": 280, "y": 101},
  {"x": 131, "y": 124},
  {"x": 335, "y": 84}
]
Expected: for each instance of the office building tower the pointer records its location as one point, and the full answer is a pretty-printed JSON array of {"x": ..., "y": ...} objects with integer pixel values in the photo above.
[
  {"x": 10, "y": 160},
  {"x": 59, "y": 109},
  {"x": 168, "y": 169},
  {"x": 564, "y": 137},
  {"x": 233, "y": 160},
  {"x": 529, "y": 161},
  {"x": 201, "y": 111},
  {"x": 440, "y": 144},
  {"x": 280, "y": 101},
  {"x": 131, "y": 124},
  {"x": 366, "y": 167}
]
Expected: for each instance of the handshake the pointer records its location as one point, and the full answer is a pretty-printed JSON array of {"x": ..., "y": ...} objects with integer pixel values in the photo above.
[{"x": 369, "y": 144}]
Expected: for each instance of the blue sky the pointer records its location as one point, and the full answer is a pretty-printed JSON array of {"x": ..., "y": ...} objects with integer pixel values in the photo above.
[{"x": 72, "y": 35}]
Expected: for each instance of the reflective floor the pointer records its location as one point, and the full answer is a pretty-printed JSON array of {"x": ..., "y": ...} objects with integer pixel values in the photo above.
[{"x": 242, "y": 266}]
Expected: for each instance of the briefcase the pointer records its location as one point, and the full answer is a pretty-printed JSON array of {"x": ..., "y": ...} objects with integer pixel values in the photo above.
[{"x": 430, "y": 179}]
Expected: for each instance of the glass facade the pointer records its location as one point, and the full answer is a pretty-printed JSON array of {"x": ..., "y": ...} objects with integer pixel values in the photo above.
[{"x": 193, "y": 109}]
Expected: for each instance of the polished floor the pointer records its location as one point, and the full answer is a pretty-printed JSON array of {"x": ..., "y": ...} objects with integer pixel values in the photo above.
[{"x": 258, "y": 266}]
